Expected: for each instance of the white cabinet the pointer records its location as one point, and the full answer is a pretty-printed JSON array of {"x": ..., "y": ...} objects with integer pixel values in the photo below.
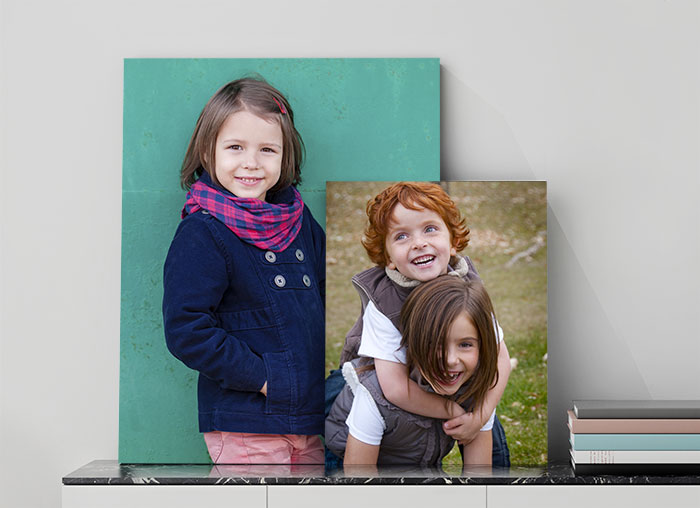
[
  {"x": 163, "y": 496},
  {"x": 598, "y": 496},
  {"x": 369, "y": 496}
]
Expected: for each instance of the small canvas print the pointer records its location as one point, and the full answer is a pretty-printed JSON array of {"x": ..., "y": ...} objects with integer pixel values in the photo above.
[{"x": 436, "y": 323}]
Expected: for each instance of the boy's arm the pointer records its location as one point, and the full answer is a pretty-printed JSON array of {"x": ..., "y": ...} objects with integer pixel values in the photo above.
[
  {"x": 466, "y": 427},
  {"x": 405, "y": 393}
]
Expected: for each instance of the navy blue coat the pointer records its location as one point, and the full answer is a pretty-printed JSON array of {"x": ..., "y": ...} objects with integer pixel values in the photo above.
[{"x": 242, "y": 316}]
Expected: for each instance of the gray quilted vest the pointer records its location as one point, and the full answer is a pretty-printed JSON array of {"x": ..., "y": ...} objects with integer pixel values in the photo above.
[{"x": 409, "y": 438}]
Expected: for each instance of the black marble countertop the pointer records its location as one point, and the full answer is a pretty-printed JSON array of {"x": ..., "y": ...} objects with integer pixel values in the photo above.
[{"x": 110, "y": 472}]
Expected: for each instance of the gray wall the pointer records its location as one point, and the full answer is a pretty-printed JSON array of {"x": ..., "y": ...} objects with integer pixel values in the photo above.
[{"x": 601, "y": 99}]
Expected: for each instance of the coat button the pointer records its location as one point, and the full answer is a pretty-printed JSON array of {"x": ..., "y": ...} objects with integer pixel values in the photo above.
[
  {"x": 205, "y": 212},
  {"x": 307, "y": 280},
  {"x": 270, "y": 256},
  {"x": 280, "y": 281},
  {"x": 299, "y": 254}
]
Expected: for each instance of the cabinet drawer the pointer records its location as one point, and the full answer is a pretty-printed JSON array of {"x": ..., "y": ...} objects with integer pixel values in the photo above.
[
  {"x": 598, "y": 496},
  {"x": 359, "y": 496}
]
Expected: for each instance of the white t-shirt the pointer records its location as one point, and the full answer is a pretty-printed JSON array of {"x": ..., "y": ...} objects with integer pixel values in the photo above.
[
  {"x": 364, "y": 421},
  {"x": 380, "y": 338}
]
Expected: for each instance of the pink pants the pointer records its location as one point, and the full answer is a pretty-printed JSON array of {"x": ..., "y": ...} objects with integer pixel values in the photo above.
[{"x": 245, "y": 448}]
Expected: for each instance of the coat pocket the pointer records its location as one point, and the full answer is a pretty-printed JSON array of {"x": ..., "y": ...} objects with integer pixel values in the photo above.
[
  {"x": 252, "y": 319},
  {"x": 279, "y": 386},
  {"x": 257, "y": 328}
]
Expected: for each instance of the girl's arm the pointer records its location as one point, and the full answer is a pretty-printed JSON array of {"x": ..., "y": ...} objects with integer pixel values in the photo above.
[
  {"x": 405, "y": 393},
  {"x": 466, "y": 427},
  {"x": 478, "y": 451},
  {"x": 195, "y": 279},
  {"x": 319, "y": 241},
  {"x": 357, "y": 452},
  {"x": 365, "y": 424}
]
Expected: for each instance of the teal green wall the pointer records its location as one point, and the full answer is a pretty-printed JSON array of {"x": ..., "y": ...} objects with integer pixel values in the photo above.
[{"x": 361, "y": 119}]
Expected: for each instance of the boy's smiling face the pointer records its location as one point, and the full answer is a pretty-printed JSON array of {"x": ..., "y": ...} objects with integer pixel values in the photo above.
[{"x": 418, "y": 243}]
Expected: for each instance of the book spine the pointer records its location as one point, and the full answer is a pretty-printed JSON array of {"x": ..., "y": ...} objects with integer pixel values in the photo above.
[
  {"x": 636, "y": 456},
  {"x": 635, "y": 441},
  {"x": 634, "y": 469},
  {"x": 637, "y": 413},
  {"x": 633, "y": 426}
]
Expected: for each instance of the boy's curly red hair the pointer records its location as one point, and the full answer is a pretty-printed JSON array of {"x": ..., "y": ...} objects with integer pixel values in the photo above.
[{"x": 414, "y": 196}]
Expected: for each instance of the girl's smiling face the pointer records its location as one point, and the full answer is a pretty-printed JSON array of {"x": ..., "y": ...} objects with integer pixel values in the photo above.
[
  {"x": 248, "y": 155},
  {"x": 461, "y": 354},
  {"x": 418, "y": 243}
]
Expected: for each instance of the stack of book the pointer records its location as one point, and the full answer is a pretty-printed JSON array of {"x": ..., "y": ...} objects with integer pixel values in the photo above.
[{"x": 635, "y": 437}]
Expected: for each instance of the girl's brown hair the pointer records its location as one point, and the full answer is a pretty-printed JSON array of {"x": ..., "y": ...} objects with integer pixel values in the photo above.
[
  {"x": 426, "y": 318},
  {"x": 258, "y": 97},
  {"x": 415, "y": 196}
]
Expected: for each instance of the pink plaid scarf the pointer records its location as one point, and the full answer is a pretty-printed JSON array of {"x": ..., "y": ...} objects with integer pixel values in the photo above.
[{"x": 267, "y": 226}]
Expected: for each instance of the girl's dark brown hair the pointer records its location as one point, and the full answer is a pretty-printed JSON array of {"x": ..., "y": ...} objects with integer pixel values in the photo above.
[
  {"x": 414, "y": 196},
  {"x": 426, "y": 318},
  {"x": 258, "y": 97}
]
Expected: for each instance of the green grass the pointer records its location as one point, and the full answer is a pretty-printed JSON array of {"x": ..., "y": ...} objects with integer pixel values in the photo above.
[{"x": 505, "y": 218}]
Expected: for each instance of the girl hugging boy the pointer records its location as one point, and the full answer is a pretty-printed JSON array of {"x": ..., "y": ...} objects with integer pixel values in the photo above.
[{"x": 414, "y": 234}]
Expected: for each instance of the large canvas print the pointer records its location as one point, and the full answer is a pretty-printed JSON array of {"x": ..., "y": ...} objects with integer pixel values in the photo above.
[
  {"x": 445, "y": 283},
  {"x": 358, "y": 118}
]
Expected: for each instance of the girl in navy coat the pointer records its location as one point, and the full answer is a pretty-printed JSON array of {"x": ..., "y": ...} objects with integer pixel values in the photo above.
[{"x": 244, "y": 282}]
